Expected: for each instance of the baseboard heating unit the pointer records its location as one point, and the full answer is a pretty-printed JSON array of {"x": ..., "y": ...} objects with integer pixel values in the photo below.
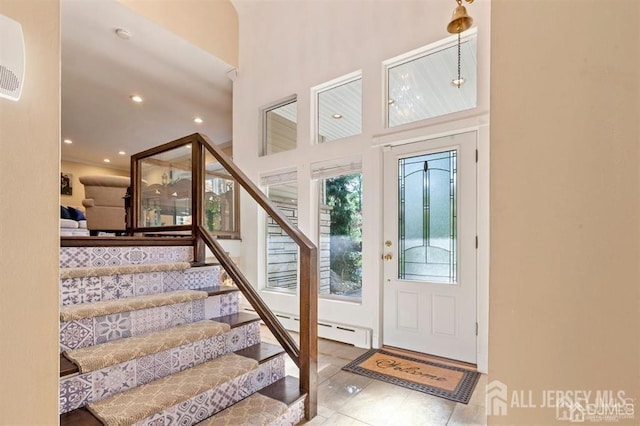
[{"x": 356, "y": 336}]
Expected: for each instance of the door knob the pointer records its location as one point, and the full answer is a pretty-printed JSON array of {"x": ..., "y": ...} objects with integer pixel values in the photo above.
[{"x": 387, "y": 256}]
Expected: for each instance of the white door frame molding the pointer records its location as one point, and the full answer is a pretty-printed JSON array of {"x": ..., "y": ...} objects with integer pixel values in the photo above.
[{"x": 480, "y": 125}]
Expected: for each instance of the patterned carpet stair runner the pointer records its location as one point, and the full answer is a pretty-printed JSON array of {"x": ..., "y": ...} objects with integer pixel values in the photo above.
[
  {"x": 136, "y": 324},
  {"x": 109, "y": 307},
  {"x": 140, "y": 403},
  {"x": 102, "y": 271},
  {"x": 80, "y": 388},
  {"x": 256, "y": 410},
  {"x": 96, "y": 357}
]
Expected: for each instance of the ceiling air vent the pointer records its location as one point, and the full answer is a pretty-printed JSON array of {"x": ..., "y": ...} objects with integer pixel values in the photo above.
[{"x": 11, "y": 59}]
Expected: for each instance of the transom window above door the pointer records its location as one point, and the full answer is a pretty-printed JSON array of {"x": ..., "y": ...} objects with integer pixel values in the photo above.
[{"x": 424, "y": 83}]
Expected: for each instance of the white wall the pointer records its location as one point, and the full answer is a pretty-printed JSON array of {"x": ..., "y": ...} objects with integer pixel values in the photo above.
[
  {"x": 286, "y": 48},
  {"x": 29, "y": 224},
  {"x": 565, "y": 201}
]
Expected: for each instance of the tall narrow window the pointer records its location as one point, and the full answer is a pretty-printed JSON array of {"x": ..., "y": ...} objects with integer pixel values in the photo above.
[
  {"x": 339, "y": 110},
  {"x": 281, "y": 251},
  {"x": 427, "y": 217},
  {"x": 425, "y": 85},
  {"x": 341, "y": 235},
  {"x": 280, "y": 128}
]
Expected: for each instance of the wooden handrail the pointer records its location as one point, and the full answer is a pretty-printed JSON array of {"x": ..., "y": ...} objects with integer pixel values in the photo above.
[
  {"x": 305, "y": 355},
  {"x": 270, "y": 320},
  {"x": 307, "y": 360},
  {"x": 255, "y": 193}
]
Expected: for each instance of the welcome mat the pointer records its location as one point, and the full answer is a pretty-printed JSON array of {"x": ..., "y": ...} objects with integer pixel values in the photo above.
[{"x": 445, "y": 381}]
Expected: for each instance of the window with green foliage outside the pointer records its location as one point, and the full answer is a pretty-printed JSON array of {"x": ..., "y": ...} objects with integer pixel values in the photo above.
[{"x": 341, "y": 236}]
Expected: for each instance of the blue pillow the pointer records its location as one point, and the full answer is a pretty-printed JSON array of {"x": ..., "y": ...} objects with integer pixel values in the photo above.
[
  {"x": 75, "y": 214},
  {"x": 64, "y": 213}
]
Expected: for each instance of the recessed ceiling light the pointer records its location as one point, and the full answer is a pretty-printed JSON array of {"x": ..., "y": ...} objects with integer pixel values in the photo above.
[
  {"x": 457, "y": 82},
  {"x": 337, "y": 116},
  {"x": 122, "y": 153},
  {"x": 136, "y": 98},
  {"x": 122, "y": 33},
  {"x": 106, "y": 160},
  {"x": 197, "y": 120},
  {"x": 68, "y": 141},
  {"x": 188, "y": 146}
]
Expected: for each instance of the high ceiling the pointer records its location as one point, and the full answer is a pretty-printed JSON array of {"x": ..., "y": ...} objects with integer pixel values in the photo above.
[
  {"x": 100, "y": 71},
  {"x": 179, "y": 81}
]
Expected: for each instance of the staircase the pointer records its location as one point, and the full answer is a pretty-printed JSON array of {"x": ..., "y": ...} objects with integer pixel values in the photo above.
[{"x": 148, "y": 339}]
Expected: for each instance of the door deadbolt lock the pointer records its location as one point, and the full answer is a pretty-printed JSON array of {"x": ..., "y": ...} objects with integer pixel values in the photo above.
[{"x": 387, "y": 243}]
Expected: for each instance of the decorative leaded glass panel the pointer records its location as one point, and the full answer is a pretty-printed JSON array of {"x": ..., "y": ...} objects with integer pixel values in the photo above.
[{"x": 427, "y": 218}]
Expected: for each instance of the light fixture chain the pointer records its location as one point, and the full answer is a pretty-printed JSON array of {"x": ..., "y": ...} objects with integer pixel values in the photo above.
[{"x": 458, "y": 61}]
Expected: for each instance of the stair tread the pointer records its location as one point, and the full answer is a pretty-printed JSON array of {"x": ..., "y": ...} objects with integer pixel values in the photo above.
[
  {"x": 96, "y": 357},
  {"x": 66, "y": 366},
  {"x": 286, "y": 390},
  {"x": 261, "y": 352},
  {"x": 94, "y": 309},
  {"x": 79, "y": 417},
  {"x": 127, "y": 241},
  {"x": 219, "y": 289},
  {"x": 204, "y": 264},
  {"x": 237, "y": 319},
  {"x": 144, "y": 401},
  {"x": 256, "y": 409},
  {"x": 100, "y": 271}
]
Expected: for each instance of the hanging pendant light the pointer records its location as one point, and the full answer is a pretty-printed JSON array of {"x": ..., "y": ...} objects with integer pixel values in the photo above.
[{"x": 460, "y": 21}]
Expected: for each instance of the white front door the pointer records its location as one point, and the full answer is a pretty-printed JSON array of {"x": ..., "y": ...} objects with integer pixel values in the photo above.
[{"x": 429, "y": 248}]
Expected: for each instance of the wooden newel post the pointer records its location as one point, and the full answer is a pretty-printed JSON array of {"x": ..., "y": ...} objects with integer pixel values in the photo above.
[
  {"x": 309, "y": 328},
  {"x": 128, "y": 214}
]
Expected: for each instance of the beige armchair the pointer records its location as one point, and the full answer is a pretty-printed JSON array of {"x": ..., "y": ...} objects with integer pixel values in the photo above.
[{"x": 104, "y": 202}]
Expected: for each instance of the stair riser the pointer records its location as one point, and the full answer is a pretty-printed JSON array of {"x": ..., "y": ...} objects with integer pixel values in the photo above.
[
  {"x": 208, "y": 403},
  {"x": 77, "y": 391},
  {"x": 82, "y": 257},
  {"x": 92, "y": 331},
  {"x": 95, "y": 289}
]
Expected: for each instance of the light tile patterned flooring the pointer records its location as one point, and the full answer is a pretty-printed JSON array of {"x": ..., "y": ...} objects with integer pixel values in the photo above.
[{"x": 352, "y": 400}]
